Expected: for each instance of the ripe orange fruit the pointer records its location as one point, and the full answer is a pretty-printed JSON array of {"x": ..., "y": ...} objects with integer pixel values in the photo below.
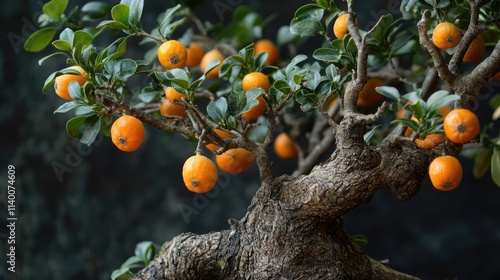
[
  {"x": 461, "y": 126},
  {"x": 340, "y": 26},
  {"x": 209, "y": 56},
  {"x": 222, "y": 134},
  {"x": 284, "y": 147},
  {"x": 256, "y": 80},
  {"x": 235, "y": 160},
  {"x": 446, "y": 35},
  {"x": 171, "y": 94},
  {"x": 168, "y": 108},
  {"x": 445, "y": 173},
  {"x": 476, "y": 50},
  {"x": 172, "y": 54},
  {"x": 127, "y": 133},
  {"x": 266, "y": 45},
  {"x": 430, "y": 141},
  {"x": 368, "y": 96},
  {"x": 194, "y": 54},
  {"x": 62, "y": 82},
  {"x": 199, "y": 174}
]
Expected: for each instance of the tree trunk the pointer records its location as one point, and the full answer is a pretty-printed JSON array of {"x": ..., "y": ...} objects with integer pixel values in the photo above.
[{"x": 293, "y": 227}]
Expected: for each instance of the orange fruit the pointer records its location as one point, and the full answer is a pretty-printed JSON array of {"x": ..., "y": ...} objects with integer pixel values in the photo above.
[
  {"x": 199, "y": 174},
  {"x": 430, "y": 141},
  {"x": 284, "y": 147},
  {"x": 127, "y": 133},
  {"x": 222, "y": 134},
  {"x": 446, "y": 35},
  {"x": 368, "y": 96},
  {"x": 194, "y": 54},
  {"x": 461, "y": 125},
  {"x": 255, "y": 80},
  {"x": 172, "y": 54},
  {"x": 168, "y": 108},
  {"x": 235, "y": 160},
  {"x": 445, "y": 111},
  {"x": 62, "y": 82},
  {"x": 476, "y": 50},
  {"x": 445, "y": 173},
  {"x": 266, "y": 45},
  {"x": 171, "y": 94},
  {"x": 209, "y": 56},
  {"x": 340, "y": 26}
]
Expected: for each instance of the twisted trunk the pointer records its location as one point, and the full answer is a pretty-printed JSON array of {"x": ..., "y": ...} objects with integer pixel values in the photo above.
[{"x": 293, "y": 227}]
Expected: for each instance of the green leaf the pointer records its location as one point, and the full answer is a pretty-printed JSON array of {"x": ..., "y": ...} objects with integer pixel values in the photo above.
[
  {"x": 136, "y": 7},
  {"x": 495, "y": 166},
  {"x": 327, "y": 55},
  {"x": 444, "y": 101},
  {"x": 150, "y": 93},
  {"x": 389, "y": 92},
  {"x": 66, "y": 106},
  {"x": 211, "y": 65},
  {"x": 40, "y": 39},
  {"x": 419, "y": 109},
  {"x": 145, "y": 250},
  {"x": 482, "y": 161},
  {"x": 409, "y": 123},
  {"x": 62, "y": 45},
  {"x": 134, "y": 262},
  {"x": 218, "y": 110},
  {"x": 55, "y": 9},
  {"x": 380, "y": 31},
  {"x": 89, "y": 129},
  {"x": 229, "y": 63},
  {"x": 112, "y": 24},
  {"x": 122, "y": 274},
  {"x": 121, "y": 13},
  {"x": 258, "y": 133},
  {"x": 51, "y": 55},
  {"x": 360, "y": 239},
  {"x": 95, "y": 10},
  {"x": 74, "y": 90},
  {"x": 73, "y": 126},
  {"x": 81, "y": 39},
  {"x": 49, "y": 82},
  {"x": 126, "y": 68},
  {"x": 296, "y": 60},
  {"x": 369, "y": 135},
  {"x": 307, "y": 20},
  {"x": 166, "y": 19},
  {"x": 236, "y": 102}
]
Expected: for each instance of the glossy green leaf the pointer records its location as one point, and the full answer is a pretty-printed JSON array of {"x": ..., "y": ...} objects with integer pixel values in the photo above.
[
  {"x": 121, "y": 13},
  {"x": 482, "y": 161},
  {"x": 495, "y": 165},
  {"x": 135, "y": 14},
  {"x": 62, "y": 45},
  {"x": 228, "y": 63},
  {"x": 327, "y": 55},
  {"x": 40, "y": 39},
  {"x": 218, "y": 110},
  {"x": 134, "y": 262},
  {"x": 51, "y": 55},
  {"x": 112, "y": 24},
  {"x": 90, "y": 129},
  {"x": 81, "y": 39},
  {"x": 74, "y": 90},
  {"x": 380, "y": 31},
  {"x": 122, "y": 274},
  {"x": 360, "y": 239},
  {"x": 389, "y": 92},
  {"x": 95, "y": 10},
  {"x": 55, "y": 9},
  {"x": 164, "y": 28},
  {"x": 49, "y": 82},
  {"x": 66, "y": 106},
  {"x": 73, "y": 126},
  {"x": 211, "y": 65},
  {"x": 307, "y": 20},
  {"x": 236, "y": 102}
]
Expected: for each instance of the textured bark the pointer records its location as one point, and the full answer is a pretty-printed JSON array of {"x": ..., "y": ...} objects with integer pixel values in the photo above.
[{"x": 293, "y": 227}]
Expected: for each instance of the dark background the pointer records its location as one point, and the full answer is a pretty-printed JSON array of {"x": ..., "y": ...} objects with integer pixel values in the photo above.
[{"x": 87, "y": 224}]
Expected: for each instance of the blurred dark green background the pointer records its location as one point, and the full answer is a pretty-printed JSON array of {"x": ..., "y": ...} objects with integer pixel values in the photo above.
[{"x": 86, "y": 224}]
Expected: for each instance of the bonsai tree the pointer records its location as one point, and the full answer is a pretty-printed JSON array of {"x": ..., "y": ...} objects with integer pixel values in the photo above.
[{"x": 376, "y": 106}]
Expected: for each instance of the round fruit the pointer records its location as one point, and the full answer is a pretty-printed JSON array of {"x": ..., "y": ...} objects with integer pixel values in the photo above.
[
  {"x": 194, "y": 54},
  {"x": 430, "y": 141},
  {"x": 62, "y": 82},
  {"x": 235, "y": 160},
  {"x": 284, "y": 147},
  {"x": 168, "y": 108},
  {"x": 446, "y": 35},
  {"x": 476, "y": 50},
  {"x": 171, "y": 94},
  {"x": 209, "y": 56},
  {"x": 340, "y": 28},
  {"x": 461, "y": 125},
  {"x": 257, "y": 110},
  {"x": 445, "y": 173},
  {"x": 172, "y": 54},
  {"x": 255, "y": 80},
  {"x": 222, "y": 134},
  {"x": 265, "y": 45},
  {"x": 127, "y": 133},
  {"x": 368, "y": 96},
  {"x": 199, "y": 174}
]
